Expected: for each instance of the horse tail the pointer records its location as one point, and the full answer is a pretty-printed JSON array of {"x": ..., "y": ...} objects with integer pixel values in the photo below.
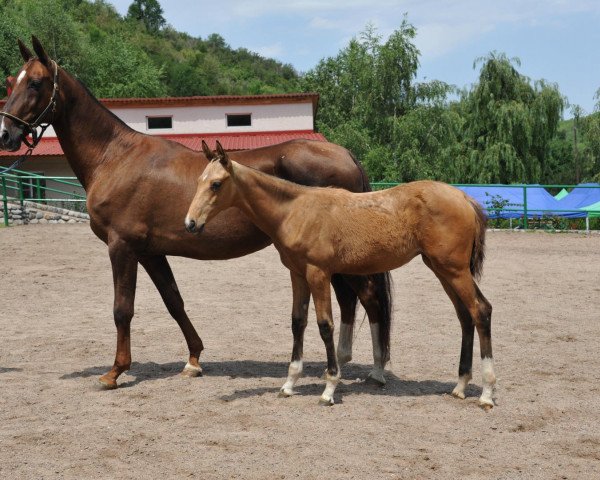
[
  {"x": 366, "y": 185},
  {"x": 478, "y": 252},
  {"x": 382, "y": 284}
]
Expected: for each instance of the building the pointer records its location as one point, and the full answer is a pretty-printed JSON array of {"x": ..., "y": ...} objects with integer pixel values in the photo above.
[{"x": 238, "y": 122}]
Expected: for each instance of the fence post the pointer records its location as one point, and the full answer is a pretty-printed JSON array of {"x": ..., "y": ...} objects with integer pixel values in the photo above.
[
  {"x": 4, "y": 201},
  {"x": 525, "y": 224},
  {"x": 21, "y": 192}
]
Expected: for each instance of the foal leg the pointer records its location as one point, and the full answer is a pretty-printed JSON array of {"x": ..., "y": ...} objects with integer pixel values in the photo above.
[
  {"x": 301, "y": 295},
  {"x": 347, "y": 300},
  {"x": 318, "y": 281},
  {"x": 162, "y": 276},
  {"x": 124, "y": 267},
  {"x": 468, "y": 330},
  {"x": 480, "y": 311}
]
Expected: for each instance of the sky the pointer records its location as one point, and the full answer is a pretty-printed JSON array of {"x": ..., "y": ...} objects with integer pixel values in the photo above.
[{"x": 554, "y": 40}]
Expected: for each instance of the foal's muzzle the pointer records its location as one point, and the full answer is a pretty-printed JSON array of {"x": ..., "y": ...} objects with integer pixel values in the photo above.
[{"x": 192, "y": 227}]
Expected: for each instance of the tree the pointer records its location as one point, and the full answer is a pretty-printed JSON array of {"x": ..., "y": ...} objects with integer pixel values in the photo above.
[
  {"x": 149, "y": 12},
  {"x": 370, "y": 103},
  {"x": 509, "y": 123}
]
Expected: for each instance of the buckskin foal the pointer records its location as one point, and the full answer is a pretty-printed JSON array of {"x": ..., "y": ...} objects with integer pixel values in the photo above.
[{"x": 322, "y": 231}]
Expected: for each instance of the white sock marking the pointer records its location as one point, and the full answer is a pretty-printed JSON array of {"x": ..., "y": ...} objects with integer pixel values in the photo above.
[
  {"x": 488, "y": 378},
  {"x": 294, "y": 372}
]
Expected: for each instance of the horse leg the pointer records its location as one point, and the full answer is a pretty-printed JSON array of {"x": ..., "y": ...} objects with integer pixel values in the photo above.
[
  {"x": 468, "y": 331},
  {"x": 301, "y": 295},
  {"x": 377, "y": 304},
  {"x": 347, "y": 300},
  {"x": 318, "y": 281},
  {"x": 160, "y": 272},
  {"x": 124, "y": 267},
  {"x": 480, "y": 310}
]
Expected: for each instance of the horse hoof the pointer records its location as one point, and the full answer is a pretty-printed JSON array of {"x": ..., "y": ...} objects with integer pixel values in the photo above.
[
  {"x": 486, "y": 404},
  {"x": 325, "y": 402},
  {"x": 377, "y": 378},
  {"x": 107, "y": 383},
  {"x": 458, "y": 394},
  {"x": 191, "y": 371},
  {"x": 285, "y": 393}
]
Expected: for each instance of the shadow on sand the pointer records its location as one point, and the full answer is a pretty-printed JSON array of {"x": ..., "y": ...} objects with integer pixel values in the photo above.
[{"x": 353, "y": 378}]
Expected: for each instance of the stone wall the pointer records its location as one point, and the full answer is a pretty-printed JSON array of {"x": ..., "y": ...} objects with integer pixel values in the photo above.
[{"x": 34, "y": 213}]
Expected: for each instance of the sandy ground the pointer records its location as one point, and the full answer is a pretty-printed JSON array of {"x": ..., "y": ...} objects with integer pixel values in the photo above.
[{"x": 57, "y": 337}]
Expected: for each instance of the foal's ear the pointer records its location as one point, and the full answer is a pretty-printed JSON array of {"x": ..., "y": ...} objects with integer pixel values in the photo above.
[
  {"x": 210, "y": 155},
  {"x": 25, "y": 52},
  {"x": 39, "y": 50},
  {"x": 223, "y": 157}
]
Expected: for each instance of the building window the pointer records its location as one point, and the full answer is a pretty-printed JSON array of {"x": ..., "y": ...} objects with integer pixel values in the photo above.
[
  {"x": 239, "y": 120},
  {"x": 159, "y": 122}
]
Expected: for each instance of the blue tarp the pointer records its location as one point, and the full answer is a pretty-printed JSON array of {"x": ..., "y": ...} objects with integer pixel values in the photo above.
[
  {"x": 539, "y": 201},
  {"x": 581, "y": 197}
]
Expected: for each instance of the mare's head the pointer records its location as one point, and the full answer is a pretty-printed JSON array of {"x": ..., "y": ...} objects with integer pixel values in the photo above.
[
  {"x": 215, "y": 190},
  {"x": 32, "y": 97}
]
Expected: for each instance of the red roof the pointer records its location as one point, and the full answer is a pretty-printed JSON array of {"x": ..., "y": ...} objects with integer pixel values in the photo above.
[
  {"x": 210, "y": 100},
  {"x": 230, "y": 141}
]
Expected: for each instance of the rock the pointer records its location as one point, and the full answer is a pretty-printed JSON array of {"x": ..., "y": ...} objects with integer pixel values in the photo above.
[
  {"x": 43, "y": 220},
  {"x": 33, "y": 221},
  {"x": 39, "y": 215}
]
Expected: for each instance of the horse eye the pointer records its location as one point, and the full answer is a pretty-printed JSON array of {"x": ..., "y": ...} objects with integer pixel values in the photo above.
[
  {"x": 35, "y": 84},
  {"x": 214, "y": 186}
]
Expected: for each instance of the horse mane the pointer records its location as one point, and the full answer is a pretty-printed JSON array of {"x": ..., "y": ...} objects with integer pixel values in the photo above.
[{"x": 98, "y": 102}]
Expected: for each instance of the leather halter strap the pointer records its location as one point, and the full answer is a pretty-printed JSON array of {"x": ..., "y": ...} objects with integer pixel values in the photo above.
[{"x": 32, "y": 128}]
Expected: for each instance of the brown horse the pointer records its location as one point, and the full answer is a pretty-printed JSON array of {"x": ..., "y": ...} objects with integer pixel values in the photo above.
[
  {"x": 138, "y": 186},
  {"x": 322, "y": 231}
]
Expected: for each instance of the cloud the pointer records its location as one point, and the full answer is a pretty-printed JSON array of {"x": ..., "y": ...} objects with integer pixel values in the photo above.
[{"x": 275, "y": 50}]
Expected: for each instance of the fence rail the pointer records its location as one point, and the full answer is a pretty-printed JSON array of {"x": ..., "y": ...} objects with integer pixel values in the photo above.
[{"x": 20, "y": 186}]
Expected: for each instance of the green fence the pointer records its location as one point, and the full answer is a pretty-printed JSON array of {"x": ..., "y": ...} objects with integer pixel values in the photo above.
[
  {"x": 589, "y": 216},
  {"x": 20, "y": 186}
]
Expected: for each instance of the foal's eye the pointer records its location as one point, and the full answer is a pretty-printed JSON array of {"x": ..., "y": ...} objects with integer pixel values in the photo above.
[{"x": 214, "y": 186}]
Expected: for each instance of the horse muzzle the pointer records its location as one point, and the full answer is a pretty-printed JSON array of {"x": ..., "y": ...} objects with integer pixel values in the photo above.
[
  {"x": 10, "y": 142},
  {"x": 192, "y": 227}
]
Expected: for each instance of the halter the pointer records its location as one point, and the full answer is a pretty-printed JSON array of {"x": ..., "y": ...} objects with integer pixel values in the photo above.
[{"x": 32, "y": 128}]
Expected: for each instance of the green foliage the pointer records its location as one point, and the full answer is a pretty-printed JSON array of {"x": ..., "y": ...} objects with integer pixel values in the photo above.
[
  {"x": 137, "y": 55},
  {"x": 149, "y": 13}
]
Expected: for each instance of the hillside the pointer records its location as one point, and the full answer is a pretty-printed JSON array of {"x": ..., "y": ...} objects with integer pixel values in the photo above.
[{"x": 119, "y": 56}]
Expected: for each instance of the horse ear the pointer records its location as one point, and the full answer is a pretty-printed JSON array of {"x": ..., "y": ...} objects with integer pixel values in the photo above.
[
  {"x": 210, "y": 155},
  {"x": 25, "y": 52},
  {"x": 39, "y": 50},
  {"x": 223, "y": 157}
]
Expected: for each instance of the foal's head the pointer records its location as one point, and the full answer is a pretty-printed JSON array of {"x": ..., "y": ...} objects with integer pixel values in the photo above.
[
  {"x": 215, "y": 190},
  {"x": 32, "y": 94}
]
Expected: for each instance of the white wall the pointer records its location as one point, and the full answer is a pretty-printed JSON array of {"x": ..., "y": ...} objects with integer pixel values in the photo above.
[
  {"x": 212, "y": 119},
  {"x": 209, "y": 119}
]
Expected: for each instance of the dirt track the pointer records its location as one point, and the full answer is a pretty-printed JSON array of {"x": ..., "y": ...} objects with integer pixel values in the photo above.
[{"x": 58, "y": 337}]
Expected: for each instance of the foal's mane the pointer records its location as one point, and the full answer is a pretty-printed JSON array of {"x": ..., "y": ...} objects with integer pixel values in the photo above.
[{"x": 283, "y": 189}]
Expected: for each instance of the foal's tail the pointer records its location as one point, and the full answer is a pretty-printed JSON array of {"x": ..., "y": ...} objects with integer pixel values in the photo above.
[{"x": 478, "y": 253}]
